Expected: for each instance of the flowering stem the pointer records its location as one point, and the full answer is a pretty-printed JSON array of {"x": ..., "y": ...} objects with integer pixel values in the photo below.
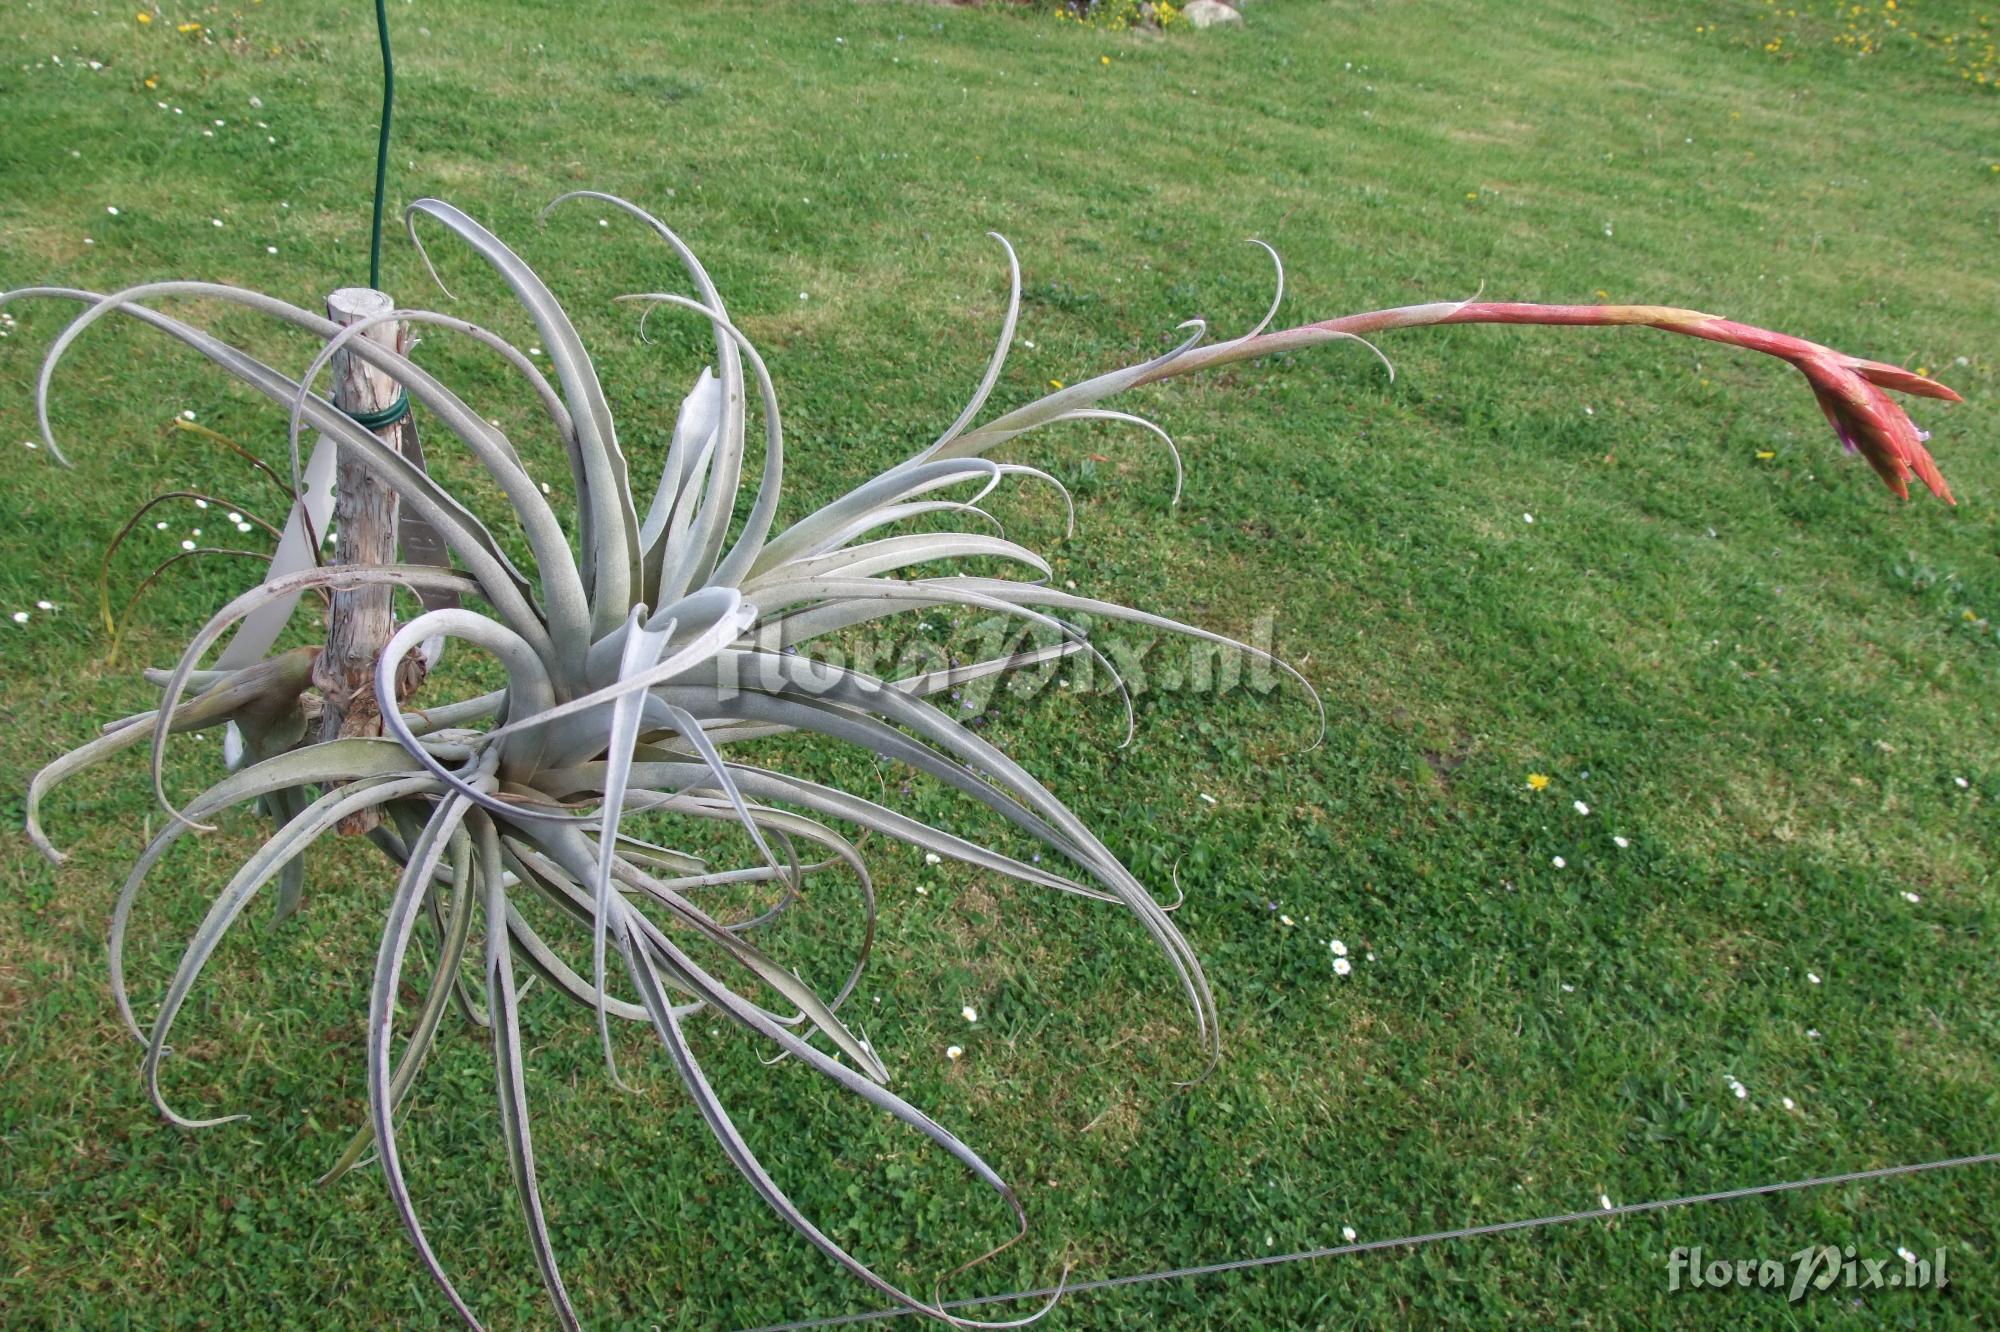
[
  {"x": 1849, "y": 388},
  {"x": 1437, "y": 313}
]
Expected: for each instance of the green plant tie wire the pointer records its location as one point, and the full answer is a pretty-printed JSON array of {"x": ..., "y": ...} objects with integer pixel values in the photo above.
[
  {"x": 384, "y": 418},
  {"x": 382, "y": 145},
  {"x": 400, "y": 408}
]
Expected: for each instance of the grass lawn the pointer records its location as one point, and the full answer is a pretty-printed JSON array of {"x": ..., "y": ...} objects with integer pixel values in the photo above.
[{"x": 1773, "y": 681}]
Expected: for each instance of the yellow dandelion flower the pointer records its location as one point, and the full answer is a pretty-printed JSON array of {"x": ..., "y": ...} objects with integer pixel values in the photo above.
[
  {"x": 1104, "y": 60},
  {"x": 1055, "y": 383},
  {"x": 1765, "y": 455},
  {"x": 1538, "y": 781},
  {"x": 143, "y": 16}
]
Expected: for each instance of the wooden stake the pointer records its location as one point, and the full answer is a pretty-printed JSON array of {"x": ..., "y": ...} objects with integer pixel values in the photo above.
[{"x": 362, "y": 619}]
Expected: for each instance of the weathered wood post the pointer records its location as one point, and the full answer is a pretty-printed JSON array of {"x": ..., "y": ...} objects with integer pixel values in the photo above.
[{"x": 361, "y": 620}]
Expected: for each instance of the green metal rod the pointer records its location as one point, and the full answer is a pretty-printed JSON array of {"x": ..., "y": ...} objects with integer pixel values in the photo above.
[{"x": 382, "y": 146}]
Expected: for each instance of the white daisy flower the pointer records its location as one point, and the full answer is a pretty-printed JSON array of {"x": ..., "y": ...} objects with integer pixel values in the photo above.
[
  {"x": 953, "y": 1051},
  {"x": 1341, "y": 966},
  {"x": 1581, "y": 808},
  {"x": 187, "y": 545},
  {"x": 1347, "y": 1233},
  {"x": 1620, "y": 842},
  {"x": 20, "y": 617},
  {"x": 1558, "y": 862},
  {"x": 1339, "y": 948},
  {"x": 969, "y": 1013},
  {"x": 933, "y": 858}
]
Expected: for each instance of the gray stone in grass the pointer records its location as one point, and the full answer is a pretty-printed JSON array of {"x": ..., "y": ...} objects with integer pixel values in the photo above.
[{"x": 1209, "y": 13}]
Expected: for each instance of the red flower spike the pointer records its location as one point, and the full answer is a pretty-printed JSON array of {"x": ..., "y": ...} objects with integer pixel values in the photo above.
[{"x": 1849, "y": 388}]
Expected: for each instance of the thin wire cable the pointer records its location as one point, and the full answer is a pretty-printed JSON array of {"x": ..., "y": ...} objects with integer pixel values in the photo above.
[
  {"x": 1401, "y": 1242},
  {"x": 382, "y": 145}
]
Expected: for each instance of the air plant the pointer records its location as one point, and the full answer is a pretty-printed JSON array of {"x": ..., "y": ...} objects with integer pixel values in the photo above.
[{"x": 641, "y": 652}]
